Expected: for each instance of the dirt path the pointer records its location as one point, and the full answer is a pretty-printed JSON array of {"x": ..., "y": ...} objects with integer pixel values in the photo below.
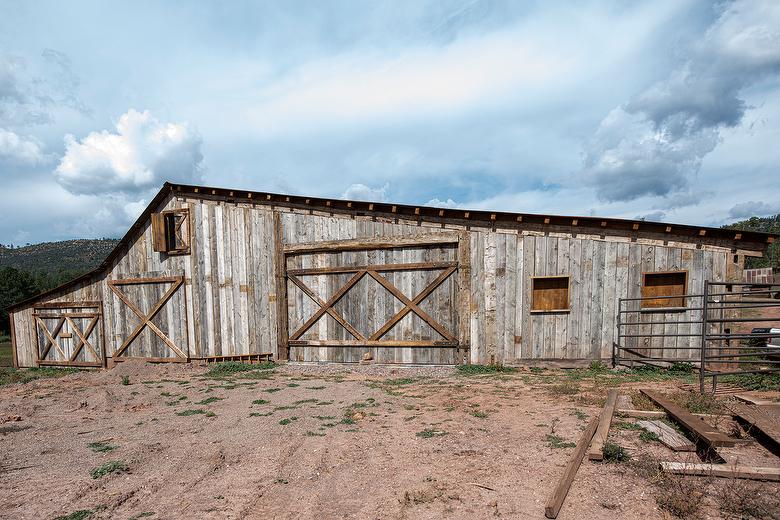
[{"x": 315, "y": 444}]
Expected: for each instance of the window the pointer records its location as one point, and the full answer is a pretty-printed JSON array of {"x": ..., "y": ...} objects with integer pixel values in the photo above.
[
  {"x": 664, "y": 284},
  {"x": 171, "y": 232},
  {"x": 550, "y": 294}
]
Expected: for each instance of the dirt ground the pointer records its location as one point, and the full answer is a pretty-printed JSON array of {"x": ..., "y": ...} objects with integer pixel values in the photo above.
[{"x": 320, "y": 442}]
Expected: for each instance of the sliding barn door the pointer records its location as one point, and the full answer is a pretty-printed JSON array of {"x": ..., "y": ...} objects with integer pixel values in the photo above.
[{"x": 393, "y": 299}]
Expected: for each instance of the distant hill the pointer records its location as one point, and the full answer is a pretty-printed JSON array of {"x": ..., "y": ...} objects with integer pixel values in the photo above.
[{"x": 55, "y": 257}]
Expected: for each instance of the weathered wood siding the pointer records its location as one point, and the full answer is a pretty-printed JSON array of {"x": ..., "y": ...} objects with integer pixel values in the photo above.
[{"x": 228, "y": 303}]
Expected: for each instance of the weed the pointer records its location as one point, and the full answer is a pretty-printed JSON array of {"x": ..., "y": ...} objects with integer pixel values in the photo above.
[
  {"x": 285, "y": 422},
  {"x": 315, "y": 388},
  {"x": 702, "y": 403},
  {"x": 556, "y": 441},
  {"x": 398, "y": 382},
  {"x": 347, "y": 420},
  {"x": 767, "y": 382},
  {"x": 428, "y": 433},
  {"x": 101, "y": 447},
  {"x": 260, "y": 401},
  {"x": 564, "y": 388},
  {"x": 598, "y": 366},
  {"x": 286, "y": 407},
  {"x": 272, "y": 390},
  {"x": 614, "y": 453},
  {"x": 579, "y": 414},
  {"x": 537, "y": 370},
  {"x": 680, "y": 496},
  {"x": 10, "y": 375},
  {"x": 114, "y": 466},
  {"x": 228, "y": 368},
  {"x": 625, "y": 425},
  {"x": 304, "y": 401},
  {"x": 741, "y": 499},
  {"x": 210, "y": 400},
  {"x": 646, "y": 436},
  {"x": 258, "y": 414},
  {"x": 81, "y": 514},
  {"x": 281, "y": 481},
  {"x": 473, "y": 370},
  {"x": 187, "y": 413},
  {"x": 479, "y": 414},
  {"x": 125, "y": 380},
  {"x": 324, "y": 403},
  {"x": 210, "y": 414},
  {"x": 142, "y": 515},
  {"x": 409, "y": 407},
  {"x": 314, "y": 434},
  {"x": 293, "y": 385}
]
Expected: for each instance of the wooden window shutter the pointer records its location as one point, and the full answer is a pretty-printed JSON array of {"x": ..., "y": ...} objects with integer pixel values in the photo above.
[{"x": 159, "y": 240}]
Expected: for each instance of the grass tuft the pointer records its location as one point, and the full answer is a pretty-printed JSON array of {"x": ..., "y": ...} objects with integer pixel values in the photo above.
[
  {"x": 473, "y": 370},
  {"x": 228, "y": 368},
  {"x": 101, "y": 447},
  {"x": 187, "y": 413},
  {"x": 114, "y": 466},
  {"x": 558, "y": 442},
  {"x": 614, "y": 453},
  {"x": 428, "y": 433}
]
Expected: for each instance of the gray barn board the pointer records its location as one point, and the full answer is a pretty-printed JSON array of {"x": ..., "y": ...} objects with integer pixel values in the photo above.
[{"x": 434, "y": 285}]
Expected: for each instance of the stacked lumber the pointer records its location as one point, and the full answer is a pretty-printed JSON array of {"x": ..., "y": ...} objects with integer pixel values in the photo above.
[
  {"x": 764, "y": 419},
  {"x": 722, "y": 470}
]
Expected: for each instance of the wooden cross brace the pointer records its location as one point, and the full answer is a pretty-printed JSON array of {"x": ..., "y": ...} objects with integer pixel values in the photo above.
[
  {"x": 409, "y": 305},
  {"x": 51, "y": 336},
  {"x": 146, "y": 319}
]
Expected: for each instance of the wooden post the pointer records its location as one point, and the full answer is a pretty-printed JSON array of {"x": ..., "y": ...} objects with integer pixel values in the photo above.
[
  {"x": 13, "y": 340},
  {"x": 282, "y": 351},
  {"x": 596, "y": 451},
  {"x": 562, "y": 489},
  {"x": 464, "y": 296}
]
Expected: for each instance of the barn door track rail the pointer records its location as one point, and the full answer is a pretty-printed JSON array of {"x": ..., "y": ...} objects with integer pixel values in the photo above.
[
  {"x": 410, "y": 305},
  {"x": 146, "y": 318}
]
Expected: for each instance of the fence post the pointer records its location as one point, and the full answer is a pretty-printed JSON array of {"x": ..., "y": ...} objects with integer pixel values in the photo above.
[
  {"x": 616, "y": 344},
  {"x": 705, "y": 299}
]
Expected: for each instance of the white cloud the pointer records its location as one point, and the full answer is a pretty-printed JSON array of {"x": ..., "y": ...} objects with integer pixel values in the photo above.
[
  {"x": 449, "y": 203},
  {"x": 143, "y": 153},
  {"x": 655, "y": 143},
  {"x": 363, "y": 192},
  {"x": 20, "y": 150}
]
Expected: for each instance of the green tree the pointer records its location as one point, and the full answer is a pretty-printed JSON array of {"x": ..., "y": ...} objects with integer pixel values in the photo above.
[
  {"x": 766, "y": 225},
  {"x": 15, "y": 285}
]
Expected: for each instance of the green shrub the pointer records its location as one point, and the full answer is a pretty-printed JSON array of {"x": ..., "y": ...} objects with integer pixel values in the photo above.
[{"x": 228, "y": 368}]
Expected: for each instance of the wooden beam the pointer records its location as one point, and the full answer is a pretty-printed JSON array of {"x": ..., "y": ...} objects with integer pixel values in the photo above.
[
  {"x": 330, "y": 310},
  {"x": 419, "y": 266},
  {"x": 68, "y": 305},
  {"x": 394, "y": 242},
  {"x": 641, "y": 414},
  {"x": 324, "y": 308},
  {"x": 764, "y": 419},
  {"x": 722, "y": 470},
  {"x": 370, "y": 343},
  {"x": 668, "y": 435},
  {"x": 596, "y": 451},
  {"x": 562, "y": 489},
  {"x": 693, "y": 424},
  {"x": 280, "y": 265}
]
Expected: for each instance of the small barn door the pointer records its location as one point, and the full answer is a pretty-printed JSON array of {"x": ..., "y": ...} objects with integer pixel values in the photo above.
[
  {"x": 391, "y": 299},
  {"x": 69, "y": 334},
  {"x": 150, "y": 317}
]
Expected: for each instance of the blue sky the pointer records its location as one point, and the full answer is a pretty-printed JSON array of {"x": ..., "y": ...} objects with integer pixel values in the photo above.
[{"x": 665, "y": 110}]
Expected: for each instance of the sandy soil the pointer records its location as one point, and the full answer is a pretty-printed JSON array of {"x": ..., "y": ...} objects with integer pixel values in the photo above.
[{"x": 297, "y": 457}]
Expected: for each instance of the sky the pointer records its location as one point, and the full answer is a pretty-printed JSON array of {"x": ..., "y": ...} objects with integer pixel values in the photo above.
[{"x": 664, "y": 110}]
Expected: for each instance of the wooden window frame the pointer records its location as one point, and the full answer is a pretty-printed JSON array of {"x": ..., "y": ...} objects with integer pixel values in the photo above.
[
  {"x": 164, "y": 232},
  {"x": 568, "y": 294},
  {"x": 664, "y": 308}
]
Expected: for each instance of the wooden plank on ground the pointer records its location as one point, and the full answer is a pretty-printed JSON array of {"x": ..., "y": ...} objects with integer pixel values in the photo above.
[
  {"x": 746, "y": 398},
  {"x": 722, "y": 470},
  {"x": 695, "y": 425},
  {"x": 562, "y": 489},
  {"x": 596, "y": 451},
  {"x": 668, "y": 436},
  {"x": 641, "y": 414},
  {"x": 765, "y": 419}
]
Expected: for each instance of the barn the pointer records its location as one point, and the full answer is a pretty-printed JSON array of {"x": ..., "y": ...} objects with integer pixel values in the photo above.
[{"x": 210, "y": 274}]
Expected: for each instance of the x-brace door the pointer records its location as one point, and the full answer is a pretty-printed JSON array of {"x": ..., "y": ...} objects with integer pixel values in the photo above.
[
  {"x": 146, "y": 317},
  {"x": 68, "y": 334}
]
